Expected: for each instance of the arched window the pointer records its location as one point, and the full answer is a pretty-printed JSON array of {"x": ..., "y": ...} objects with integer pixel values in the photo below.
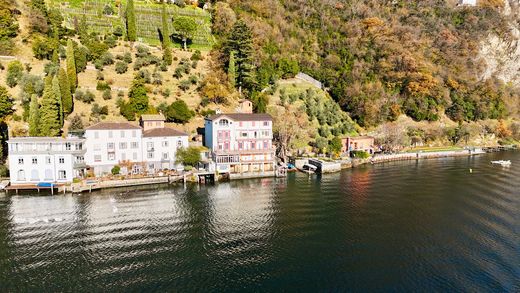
[
  {"x": 223, "y": 122},
  {"x": 21, "y": 175}
]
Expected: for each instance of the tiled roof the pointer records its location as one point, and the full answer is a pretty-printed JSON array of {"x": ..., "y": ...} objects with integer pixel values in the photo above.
[
  {"x": 43, "y": 139},
  {"x": 161, "y": 132},
  {"x": 153, "y": 117},
  {"x": 113, "y": 126},
  {"x": 243, "y": 117}
]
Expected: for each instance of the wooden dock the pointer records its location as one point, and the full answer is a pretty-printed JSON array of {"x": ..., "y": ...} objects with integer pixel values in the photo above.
[{"x": 33, "y": 187}]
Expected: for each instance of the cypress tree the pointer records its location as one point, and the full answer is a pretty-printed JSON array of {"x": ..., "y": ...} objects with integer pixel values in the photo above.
[
  {"x": 232, "y": 70},
  {"x": 165, "y": 30},
  {"x": 71, "y": 67},
  {"x": 167, "y": 56},
  {"x": 137, "y": 96},
  {"x": 130, "y": 21},
  {"x": 49, "y": 111},
  {"x": 56, "y": 91},
  {"x": 34, "y": 117},
  {"x": 66, "y": 96}
]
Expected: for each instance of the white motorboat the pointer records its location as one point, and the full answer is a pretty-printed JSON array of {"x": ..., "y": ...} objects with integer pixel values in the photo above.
[{"x": 502, "y": 162}]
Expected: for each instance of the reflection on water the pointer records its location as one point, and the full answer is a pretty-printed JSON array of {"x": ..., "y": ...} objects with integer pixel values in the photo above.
[{"x": 403, "y": 226}]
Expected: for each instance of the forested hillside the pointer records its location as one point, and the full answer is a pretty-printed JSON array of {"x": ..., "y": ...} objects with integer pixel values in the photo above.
[{"x": 381, "y": 58}]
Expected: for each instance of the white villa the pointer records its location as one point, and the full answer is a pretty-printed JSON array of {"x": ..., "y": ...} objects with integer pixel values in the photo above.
[
  {"x": 468, "y": 2},
  {"x": 241, "y": 142},
  {"x": 45, "y": 159}
]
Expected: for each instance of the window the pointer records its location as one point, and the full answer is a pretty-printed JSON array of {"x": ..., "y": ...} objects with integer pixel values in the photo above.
[
  {"x": 80, "y": 159},
  {"x": 149, "y": 145},
  {"x": 68, "y": 146},
  {"x": 266, "y": 145},
  {"x": 110, "y": 134},
  {"x": 48, "y": 159},
  {"x": 179, "y": 143},
  {"x": 21, "y": 175},
  {"x": 243, "y": 134},
  {"x": 134, "y": 133},
  {"x": 165, "y": 143},
  {"x": 165, "y": 156},
  {"x": 253, "y": 145},
  {"x": 240, "y": 145},
  {"x": 61, "y": 160},
  {"x": 134, "y": 156},
  {"x": 266, "y": 123},
  {"x": 150, "y": 155},
  {"x": 134, "y": 144},
  {"x": 122, "y": 133},
  {"x": 122, "y": 145},
  {"x": 62, "y": 174},
  {"x": 110, "y": 145},
  {"x": 96, "y": 134},
  {"x": 79, "y": 146},
  {"x": 223, "y": 122},
  {"x": 35, "y": 161},
  {"x": 111, "y": 156},
  {"x": 97, "y": 158}
]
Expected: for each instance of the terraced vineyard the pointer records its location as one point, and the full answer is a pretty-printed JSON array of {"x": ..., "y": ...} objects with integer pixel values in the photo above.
[{"x": 148, "y": 16}]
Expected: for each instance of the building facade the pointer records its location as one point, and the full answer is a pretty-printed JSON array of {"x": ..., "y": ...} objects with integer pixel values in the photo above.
[
  {"x": 241, "y": 142},
  {"x": 112, "y": 143},
  {"x": 35, "y": 160},
  {"x": 160, "y": 146},
  {"x": 357, "y": 143}
]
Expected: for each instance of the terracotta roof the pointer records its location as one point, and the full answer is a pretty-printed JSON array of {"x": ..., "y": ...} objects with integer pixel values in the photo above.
[
  {"x": 361, "y": 137},
  {"x": 243, "y": 117},
  {"x": 154, "y": 117},
  {"x": 112, "y": 126},
  {"x": 161, "y": 132}
]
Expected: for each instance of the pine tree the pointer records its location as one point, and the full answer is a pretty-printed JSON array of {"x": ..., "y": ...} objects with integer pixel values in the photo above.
[
  {"x": 130, "y": 21},
  {"x": 66, "y": 96},
  {"x": 232, "y": 70},
  {"x": 34, "y": 117},
  {"x": 49, "y": 111},
  {"x": 241, "y": 41},
  {"x": 71, "y": 67},
  {"x": 165, "y": 30}
]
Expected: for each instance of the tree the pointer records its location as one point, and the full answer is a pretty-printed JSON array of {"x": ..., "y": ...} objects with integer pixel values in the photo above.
[
  {"x": 49, "y": 111},
  {"x": 232, "y": 70},
  {"x": 66, "y": 96},
  {"x": 14, "y": 73},
  {"x": 335, "y": 146},
  {"x": 240, "y": 41},
  {"x": 130, "y": 21},
  {"x": 260, "y": 102},
  {"x": 185, "y": 27},
  {"x": 115, "y": 170},
  {"x": 76, "y": 123},
  {"x": 165, "y": 32},
  {"x": 34, "y": 117},
  {"x": 71, "y": 67},
  {"x": 291, "y": 129},
  {"x": 6, "y": 103},
  {"x": 167, "y": 56},
  {"x": 179, "y": 112},
  {"x": 56, "y": 90},
  {"x": 138, "y": 98},
  {"x": 188, "y": 156}
]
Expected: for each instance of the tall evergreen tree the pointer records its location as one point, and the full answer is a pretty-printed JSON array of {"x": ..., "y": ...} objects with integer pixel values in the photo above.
[
  {"x": 56, "y": 91},
  {"x": 165, "y": 30},
  {"x": 240, "y": 40},
  {"x": 138, "y": 98},
  {"x": 34, "y": 117},
  {"x": 71, "y": 67},
  {"x": 131, "y": 30},
  {"x": 6, "y": 103},
  {"x": 66, "y": 96},
  {"x": 49, "y": 111},
  {"x": 232, "y": 69}
]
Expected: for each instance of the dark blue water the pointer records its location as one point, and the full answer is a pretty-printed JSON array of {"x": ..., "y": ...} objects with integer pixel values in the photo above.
[{"x": 405, "y": 226}]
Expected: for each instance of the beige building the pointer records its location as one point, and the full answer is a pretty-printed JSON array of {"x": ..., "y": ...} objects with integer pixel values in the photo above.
[{"x": 358, "y": 143}]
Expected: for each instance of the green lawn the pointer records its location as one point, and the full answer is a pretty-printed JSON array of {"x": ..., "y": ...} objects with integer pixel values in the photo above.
[{"x": 435, "y": 149}]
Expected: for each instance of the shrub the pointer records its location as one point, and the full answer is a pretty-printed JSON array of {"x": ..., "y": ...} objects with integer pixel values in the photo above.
[
  {"x": 120, "y": 94},
  {"x": 127, "y": 57},
  {"x": 99, "y": 75},
  {"x": 121, "y": 67},
  {"x": 107, "y": 94},
  {"x": 85, "y": 97},
  {"x": 108, "y": 9},
  {"x": 97, "y": 110},
  {"x": 163, "y": 66},
  {"x": 178, "y": 72},
  {"x": 14, "y": 73},
  {"x": 145, "y": 75},
  {"x": 179, "y": 112},
  {"x": 184, "y": 84},
  {"x": 51, "y": 68},
  {"x": 80, "y": 57},
  {"x": 99, "y": 64},
  {"x": 142, "y": 51},
  {"x": 118, "y": 31},
  {"x": 196, "y": 56},
  {"x": 193, "y": 79},
  {"x": 166, "y": 92},
  {"x": 157, "y": 78},
  {"x": 102, "y": 85},
  {"x": 111, "y": 41},
  {"x": 43, "y": 48},
  {"x": 107, "y": 59},
  {"x": 115, "y": 170},
  {"x": 194, "y": 64},
  {"x": 359, "y": 154}
]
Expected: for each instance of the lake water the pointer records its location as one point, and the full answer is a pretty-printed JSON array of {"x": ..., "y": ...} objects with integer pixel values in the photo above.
[{"x": 404, "y": 226}]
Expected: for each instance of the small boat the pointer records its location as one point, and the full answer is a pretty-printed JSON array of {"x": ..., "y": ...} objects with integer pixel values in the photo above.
[{"x": 502, "y": 162}]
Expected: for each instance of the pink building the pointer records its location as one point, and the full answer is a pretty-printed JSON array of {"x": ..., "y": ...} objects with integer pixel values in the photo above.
[{"x": 241, "y": 142}]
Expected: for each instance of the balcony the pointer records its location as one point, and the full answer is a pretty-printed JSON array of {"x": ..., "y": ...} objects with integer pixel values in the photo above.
[{"x": 245, "y": 152}]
